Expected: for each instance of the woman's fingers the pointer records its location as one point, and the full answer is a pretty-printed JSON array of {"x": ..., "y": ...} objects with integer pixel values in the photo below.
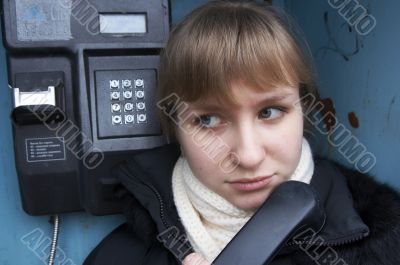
[{"x": 195, "y": 259}]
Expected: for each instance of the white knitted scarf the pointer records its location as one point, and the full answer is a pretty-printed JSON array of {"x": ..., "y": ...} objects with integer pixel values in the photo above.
[{"x": 210, "y": 220}]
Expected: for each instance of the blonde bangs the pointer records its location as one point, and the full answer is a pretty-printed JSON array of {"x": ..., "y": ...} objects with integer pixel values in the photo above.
[
  {"x": 225, "y": 42},
  {"x": 208, "y": 53}
]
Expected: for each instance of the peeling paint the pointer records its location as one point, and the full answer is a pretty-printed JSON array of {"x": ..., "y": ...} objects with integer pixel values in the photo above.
[
  {"x": 328, "y": 108},
  {"x": 353, "y": 120}
]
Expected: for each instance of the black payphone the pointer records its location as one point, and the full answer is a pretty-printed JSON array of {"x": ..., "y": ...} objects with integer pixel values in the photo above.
[{"x": 83, "y": 75}]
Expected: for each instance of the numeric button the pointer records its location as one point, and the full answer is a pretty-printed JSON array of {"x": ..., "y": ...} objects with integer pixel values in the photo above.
[
  {"x": 127, "y": 94},
  {"x": 140, "y": 106},
  {"x": 129, "y": 119},
  {"x": 126, "y": 83},
  {"x": 139, "y": 83},
  {"x": 116, "y": 107},
  {"x": 114, "y": 84},
  {"x": 128, "y": 106},
  {"x": 139, "y": 94},
  {"x": 115, "y": 95}
]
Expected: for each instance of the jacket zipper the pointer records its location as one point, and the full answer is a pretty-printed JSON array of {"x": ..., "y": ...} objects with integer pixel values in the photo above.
[
  {"x": 347, "y": 240},
  {"x": 158, "y": 196},
  {"x": 161, "y": 203}
]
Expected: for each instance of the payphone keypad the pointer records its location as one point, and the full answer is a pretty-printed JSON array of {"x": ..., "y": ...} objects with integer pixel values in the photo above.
[
  {"x": 122, "y": 103},
  {"x": 125, "y": 98}
]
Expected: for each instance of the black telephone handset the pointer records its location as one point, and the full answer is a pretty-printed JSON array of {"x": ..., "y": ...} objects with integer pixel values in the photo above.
[{"x": 292, "y": 207}]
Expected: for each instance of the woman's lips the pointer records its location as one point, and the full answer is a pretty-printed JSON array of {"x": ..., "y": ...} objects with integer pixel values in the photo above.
[{"x": 251, "y": 184}]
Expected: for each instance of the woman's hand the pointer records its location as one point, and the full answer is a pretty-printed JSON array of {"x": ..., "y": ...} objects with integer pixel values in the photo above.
[{"x": 195, "y": 259}]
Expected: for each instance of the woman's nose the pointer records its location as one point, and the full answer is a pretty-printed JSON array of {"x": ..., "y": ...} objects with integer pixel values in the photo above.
[{"x": 249, "y": 147}]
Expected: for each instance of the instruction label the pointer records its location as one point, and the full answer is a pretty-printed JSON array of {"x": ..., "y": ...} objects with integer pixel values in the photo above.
[{"x": 45, "y": 149}]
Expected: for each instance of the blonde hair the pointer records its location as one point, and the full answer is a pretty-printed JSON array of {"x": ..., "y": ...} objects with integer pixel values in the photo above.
[{"x": 226, "y": 41}]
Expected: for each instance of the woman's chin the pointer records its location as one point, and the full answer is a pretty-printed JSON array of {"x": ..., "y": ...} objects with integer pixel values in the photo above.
[{"x": 251, "y": 203}]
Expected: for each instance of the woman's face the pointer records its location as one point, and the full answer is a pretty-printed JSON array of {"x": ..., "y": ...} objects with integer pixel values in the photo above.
[{"x": 262, "y": 134}]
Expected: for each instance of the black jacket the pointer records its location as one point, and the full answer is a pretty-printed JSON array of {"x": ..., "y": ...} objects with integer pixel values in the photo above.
[{"x": 362, "y": 224}]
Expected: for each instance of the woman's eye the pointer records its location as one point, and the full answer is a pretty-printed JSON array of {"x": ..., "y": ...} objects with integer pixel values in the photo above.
[
  {"x": 270, "y": 113},
  {"x": 208, "y": 121}
]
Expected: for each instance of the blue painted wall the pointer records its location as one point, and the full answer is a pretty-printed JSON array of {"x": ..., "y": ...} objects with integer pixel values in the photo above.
[{"x": 367, "y": 83}]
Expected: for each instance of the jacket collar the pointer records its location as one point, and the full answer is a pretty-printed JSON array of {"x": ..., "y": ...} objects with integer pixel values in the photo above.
[
  {"x": 343, "y": 223},
  {"x": 148, "y": 177}
]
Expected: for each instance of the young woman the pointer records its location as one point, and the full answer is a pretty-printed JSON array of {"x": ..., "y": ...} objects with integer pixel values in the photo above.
[{"x": 232, "y": 79}]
